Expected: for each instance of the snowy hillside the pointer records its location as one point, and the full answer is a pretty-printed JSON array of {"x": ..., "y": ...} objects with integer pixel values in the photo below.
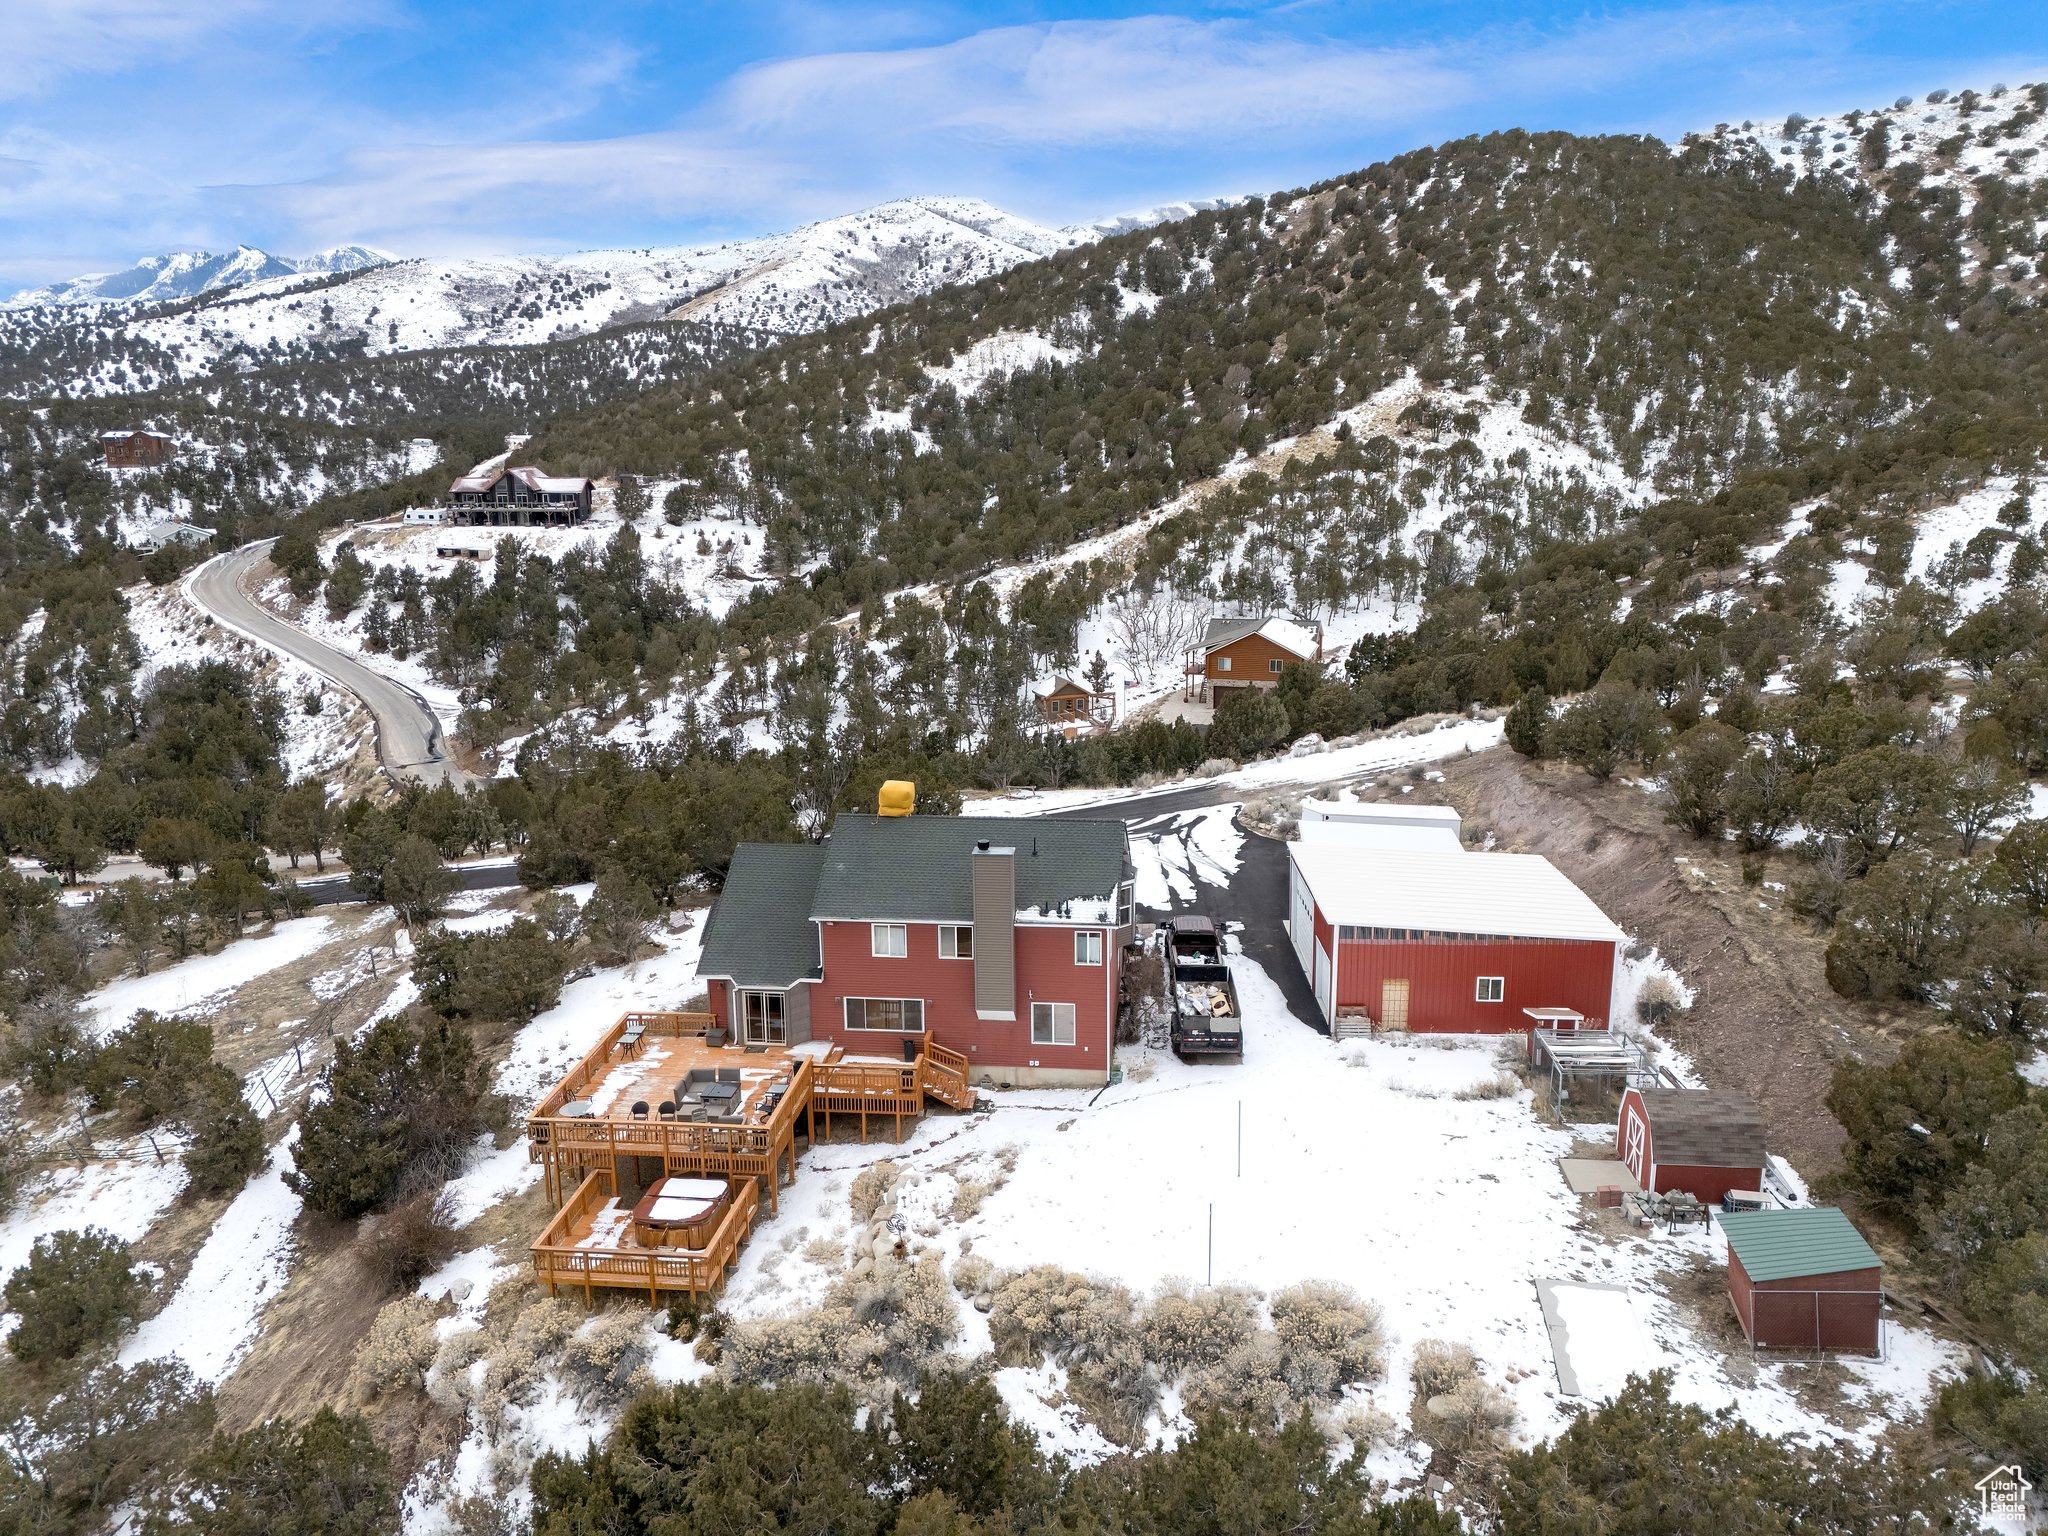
[{"x": 188, "y": 274}]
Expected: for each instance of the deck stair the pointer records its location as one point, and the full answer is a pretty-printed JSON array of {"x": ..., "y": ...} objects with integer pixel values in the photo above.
[{"x": 945, "y": 1077}]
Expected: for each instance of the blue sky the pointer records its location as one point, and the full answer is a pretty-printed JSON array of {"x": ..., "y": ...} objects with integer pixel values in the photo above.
[{"x": 443, "y": 127}]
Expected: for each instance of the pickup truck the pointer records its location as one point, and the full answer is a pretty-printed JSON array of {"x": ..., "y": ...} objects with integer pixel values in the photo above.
[{"x": 1200, "y": 994}]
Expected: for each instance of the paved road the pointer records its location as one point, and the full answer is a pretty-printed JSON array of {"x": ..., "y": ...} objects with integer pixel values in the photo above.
[
  {"x": 1256, "y": 895},
  {"x": 409, "y": 740},
  {"x": 335, "y": 891}
]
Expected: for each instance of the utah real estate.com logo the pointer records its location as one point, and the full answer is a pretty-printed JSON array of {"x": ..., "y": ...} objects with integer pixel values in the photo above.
[{"x": 2005, "y": 1491}]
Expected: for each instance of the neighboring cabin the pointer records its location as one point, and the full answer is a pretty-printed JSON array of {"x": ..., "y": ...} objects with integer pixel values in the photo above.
[
  {"x": 1000, "y": 938},
  {"x": 519, "y": 497},
  {"x": 136, "y": 449},
  {"x": 1249, "y": 652},
  {"x": 1073, "y": 707},
  {"x": 1701, "y": 1140},
  {"x": 169, "y": 531}
]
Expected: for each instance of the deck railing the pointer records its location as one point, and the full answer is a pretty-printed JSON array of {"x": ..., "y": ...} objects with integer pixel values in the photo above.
[
  {"x": 597, "y": 1061},
  {"x": 558, "y": 1261}
]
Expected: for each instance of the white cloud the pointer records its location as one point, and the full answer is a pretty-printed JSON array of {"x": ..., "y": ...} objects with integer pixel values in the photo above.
[{"x": 44, "y": 40}]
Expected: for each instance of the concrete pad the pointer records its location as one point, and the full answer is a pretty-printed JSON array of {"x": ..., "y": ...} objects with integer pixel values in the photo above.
[
  {"x": 1597, "y": 1337},
  {"x": 1585, "y": 1175}
]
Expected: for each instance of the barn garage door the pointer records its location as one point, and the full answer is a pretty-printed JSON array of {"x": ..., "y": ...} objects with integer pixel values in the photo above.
[{"x": 1302, "y": 922}]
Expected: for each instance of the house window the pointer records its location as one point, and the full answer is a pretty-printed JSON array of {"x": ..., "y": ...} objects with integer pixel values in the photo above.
[
  {"x": 900, "y": 1015},
  {"x": 1491, "y": 989},
  {"x": 1222, "y": 663},
  {"x": 1052, "y": 1023},
  {"x": 1273, "y": 665},
  {"x": 1088, "y": 946},
  {"x": 1126, "y": 904},
  {"x": 890, "y": 940},
  {"x": 956, "y": 941},
  {"x": 761, "y": 1018}
]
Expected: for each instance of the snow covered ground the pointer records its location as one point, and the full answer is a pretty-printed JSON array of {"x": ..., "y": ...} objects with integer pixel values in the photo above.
[
  {"x": 212, "y": 1320},
  {"x": 189, "y": 984}
]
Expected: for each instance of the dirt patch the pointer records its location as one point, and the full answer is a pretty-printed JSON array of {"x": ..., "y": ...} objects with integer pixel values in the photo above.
[{"x": 1764, "y": 1019}]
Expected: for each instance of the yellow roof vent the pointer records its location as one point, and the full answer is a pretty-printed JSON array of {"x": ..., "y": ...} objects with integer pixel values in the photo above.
[{"x": 898, "y": 798}]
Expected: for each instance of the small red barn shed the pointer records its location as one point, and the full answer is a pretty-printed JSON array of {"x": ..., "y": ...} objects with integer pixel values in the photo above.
[
  {"x": 1803, "y": 1279},
  {"x": 1705, "y": 1141},
  {"x": 1454, "y": 942}
]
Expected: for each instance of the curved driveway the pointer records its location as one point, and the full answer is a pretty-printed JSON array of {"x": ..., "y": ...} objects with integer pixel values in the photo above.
[{"x": 409, "y": 742}]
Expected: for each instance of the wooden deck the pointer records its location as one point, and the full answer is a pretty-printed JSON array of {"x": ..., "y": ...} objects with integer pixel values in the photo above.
[
  {"x": 760, "y": 1142},
  {"x": 589, "y": 1246}
]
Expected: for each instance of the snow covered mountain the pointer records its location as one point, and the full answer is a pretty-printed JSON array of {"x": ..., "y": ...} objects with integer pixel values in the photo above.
[
  {"x": 128, "y": 340},
  {"x": 188, "y": 274}
]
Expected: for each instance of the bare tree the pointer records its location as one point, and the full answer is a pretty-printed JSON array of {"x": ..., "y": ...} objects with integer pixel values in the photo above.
[{"x": 1153, "y": 630}]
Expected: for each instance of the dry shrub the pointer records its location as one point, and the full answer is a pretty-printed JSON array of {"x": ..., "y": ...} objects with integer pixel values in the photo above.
[
  {"x": 604, "y": 1359},
  {"x": 1502, "y": 1085},
  {"x": 1360, "y": 1424},
  {"x": 1091, "y": 1328},
  {"x": 1657, "y": 999},
  {"x": 972, "y": 1274},
  {"x": 1472, "y": 1419},
  {"x": 519, "y": 1357},
  {"x": 870, "y": 1187},
  {"x": 1250, "y": 1380},
  {"x": 450, "y": 1383},
  {"x": 1187, "y": 1329},
  {"x": 825, "y": 1252},
  {"x": 402, "y": 1344},
  {"x": 876, "y": 1329},
  {"x": 407, "y": 1243},
  {"x": 967, "y": 1197},
  {"x": 1140, "y": 1071},
  {"x": 1440, "y": 1366},
  {"x": 1329, "y": 1338}
]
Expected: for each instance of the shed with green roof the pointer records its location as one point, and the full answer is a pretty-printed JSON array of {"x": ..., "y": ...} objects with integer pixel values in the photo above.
[{"x": 1803, "y": 1279}]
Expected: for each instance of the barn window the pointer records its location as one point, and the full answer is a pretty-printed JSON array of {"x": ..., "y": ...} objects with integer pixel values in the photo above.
[{"x": 1491, "y": 989}]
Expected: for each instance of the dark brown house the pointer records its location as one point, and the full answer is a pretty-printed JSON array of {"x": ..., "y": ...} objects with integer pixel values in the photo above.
[
  {"x": 1250, "y": 652},
  {"x": 1804, "y": 1279},
  {"x": 519, "y": 497},
  {"x": 136, "y": 450}
]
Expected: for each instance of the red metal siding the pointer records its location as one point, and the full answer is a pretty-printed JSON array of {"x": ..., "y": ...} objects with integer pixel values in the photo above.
[
  {"x": 1442, "y": 980},
  {"x": 1839, "y": 1311},
  {"x": 1045, "y": 973}
]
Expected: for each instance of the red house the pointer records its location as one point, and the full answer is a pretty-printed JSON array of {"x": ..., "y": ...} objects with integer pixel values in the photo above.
[
  {"x": 999, "y": 937},
  {"x": 136, "y": 450},
  {"x": 1451, "y": 942},
  {"x": 1804, "y": 1279},
  {"x": 1701, "y": 1140}
]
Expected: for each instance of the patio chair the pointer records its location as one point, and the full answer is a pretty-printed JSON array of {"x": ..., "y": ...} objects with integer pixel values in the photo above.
[
  {"x": 639, "y": 1109},
  {"x": 728, "y": 1074},
  {"x": 667, "y": 1110}
]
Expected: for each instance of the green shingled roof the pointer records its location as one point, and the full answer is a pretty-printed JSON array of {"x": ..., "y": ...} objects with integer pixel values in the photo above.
[
  {"x": 1788, "y": 1245},
  {"x": 760, "y": 934},
  {"x": 915, "y": 868}
]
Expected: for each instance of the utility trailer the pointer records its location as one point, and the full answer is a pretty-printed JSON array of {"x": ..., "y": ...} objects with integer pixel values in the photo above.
[{"x": 1202, "y": 998}]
